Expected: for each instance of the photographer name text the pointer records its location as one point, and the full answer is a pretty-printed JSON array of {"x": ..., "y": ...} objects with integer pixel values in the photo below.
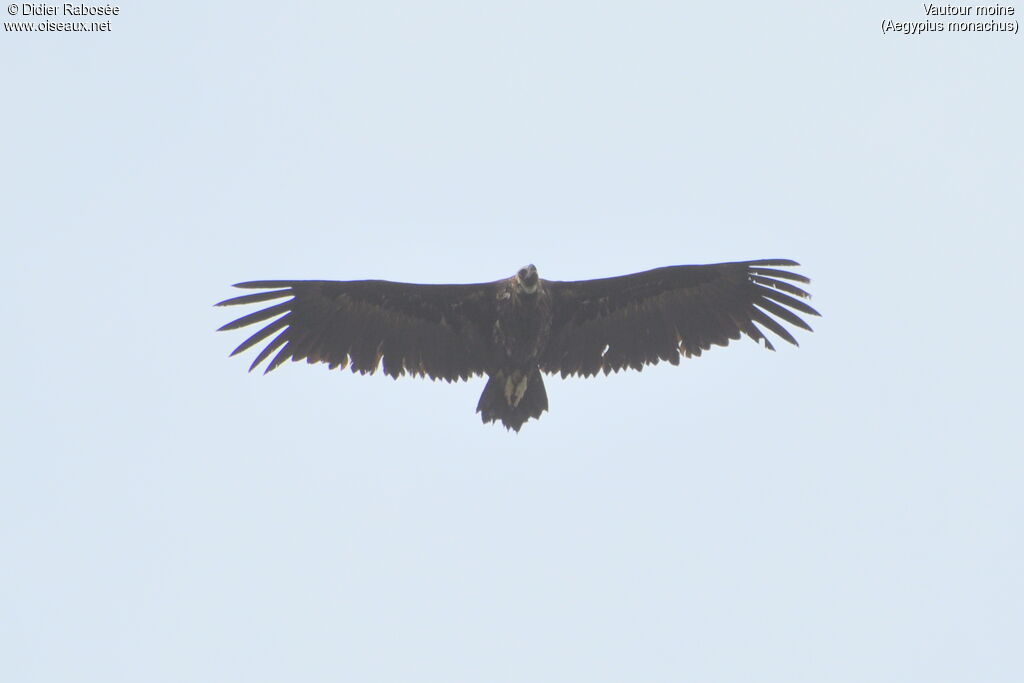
[{"x": 28, "y": 9}]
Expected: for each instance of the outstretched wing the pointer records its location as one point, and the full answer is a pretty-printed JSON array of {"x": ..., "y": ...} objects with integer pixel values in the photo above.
[
  {"x": 433, "y": 330},
  {"x": 635, "y": 320}
]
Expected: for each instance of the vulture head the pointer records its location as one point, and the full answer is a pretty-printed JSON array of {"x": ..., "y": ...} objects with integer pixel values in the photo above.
[{"x": 526, "y": 278}]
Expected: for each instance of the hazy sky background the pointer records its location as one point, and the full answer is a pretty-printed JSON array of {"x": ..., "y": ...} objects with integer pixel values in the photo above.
[{"x": 847, "y": 511}]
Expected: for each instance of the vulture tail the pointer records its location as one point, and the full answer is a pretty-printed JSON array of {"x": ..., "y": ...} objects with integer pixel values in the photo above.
[{"x": 513, "y": 397}]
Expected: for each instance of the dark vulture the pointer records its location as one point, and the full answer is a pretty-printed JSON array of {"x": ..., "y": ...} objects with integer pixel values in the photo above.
[{"x": 514, "y": 329}]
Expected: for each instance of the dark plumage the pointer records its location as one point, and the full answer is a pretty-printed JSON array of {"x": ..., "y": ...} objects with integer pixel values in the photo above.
[{"x": 514, "y": 329}]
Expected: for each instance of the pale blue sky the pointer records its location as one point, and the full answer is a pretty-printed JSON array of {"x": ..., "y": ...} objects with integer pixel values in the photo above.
[{"x": 847, "y": 511}]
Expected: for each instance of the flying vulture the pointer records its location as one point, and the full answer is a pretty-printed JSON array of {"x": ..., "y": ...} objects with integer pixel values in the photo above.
[{"x": 514, "y": 329}]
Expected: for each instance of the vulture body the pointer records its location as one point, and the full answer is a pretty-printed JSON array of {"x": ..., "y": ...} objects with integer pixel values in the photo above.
[{"x": 514, "y": 329}]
